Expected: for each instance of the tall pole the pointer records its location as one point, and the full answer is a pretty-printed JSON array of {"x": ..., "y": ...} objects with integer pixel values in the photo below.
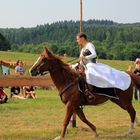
[
  {"x": 73, "y": 118},
  {"x": 81, "y": 16}
]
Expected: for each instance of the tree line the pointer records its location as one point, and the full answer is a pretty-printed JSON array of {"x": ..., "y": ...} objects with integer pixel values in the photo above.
[{"x": 112, "y": 40}]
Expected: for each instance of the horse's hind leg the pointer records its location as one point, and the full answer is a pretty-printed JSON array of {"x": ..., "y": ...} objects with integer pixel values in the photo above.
[
  {"x": 81, "y": 115},
  {"x": 130, "y": 109},
  {"x": 132, "y": 114}
]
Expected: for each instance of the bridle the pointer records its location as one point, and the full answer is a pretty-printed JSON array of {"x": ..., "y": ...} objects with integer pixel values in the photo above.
[{"x": 40, "y": 64}]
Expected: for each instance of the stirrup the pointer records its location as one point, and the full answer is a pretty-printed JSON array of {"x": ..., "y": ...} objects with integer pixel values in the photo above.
[{"x": 89, "y": 94}]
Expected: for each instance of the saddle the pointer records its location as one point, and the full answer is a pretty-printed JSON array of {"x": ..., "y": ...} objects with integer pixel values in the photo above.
[{"x": 90, "y": 91}]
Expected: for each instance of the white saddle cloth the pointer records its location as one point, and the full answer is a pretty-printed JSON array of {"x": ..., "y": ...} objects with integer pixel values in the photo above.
[{"x": 104, "y": 76}]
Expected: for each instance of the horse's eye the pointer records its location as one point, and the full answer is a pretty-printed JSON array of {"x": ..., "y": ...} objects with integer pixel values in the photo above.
[{"x": 44, "y": 60}]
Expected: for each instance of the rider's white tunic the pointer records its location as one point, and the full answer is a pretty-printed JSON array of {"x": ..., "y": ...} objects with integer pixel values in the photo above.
[{"x": 104, "y": 76}]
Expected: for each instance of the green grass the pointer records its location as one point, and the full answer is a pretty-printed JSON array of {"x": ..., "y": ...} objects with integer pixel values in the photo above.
[
  {"x": 14, "y": 56},
  {"x": 42, "y": 118}
]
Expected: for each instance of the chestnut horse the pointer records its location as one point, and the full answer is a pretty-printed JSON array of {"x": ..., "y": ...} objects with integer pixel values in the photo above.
[{"x": 66, "y": 81}]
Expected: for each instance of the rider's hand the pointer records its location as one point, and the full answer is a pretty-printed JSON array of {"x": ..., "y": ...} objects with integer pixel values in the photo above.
[{"x": 82, "y": 58}]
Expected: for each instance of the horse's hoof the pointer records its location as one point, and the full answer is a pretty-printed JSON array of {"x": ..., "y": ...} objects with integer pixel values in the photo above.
[
  {"x": 95, "y": 134},
  {"x": 129, "y": 133},
  {"x": 58, "y": 138}
]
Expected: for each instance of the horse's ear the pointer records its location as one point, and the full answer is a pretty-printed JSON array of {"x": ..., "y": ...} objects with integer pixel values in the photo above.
[{"x": 46, "y": 52}]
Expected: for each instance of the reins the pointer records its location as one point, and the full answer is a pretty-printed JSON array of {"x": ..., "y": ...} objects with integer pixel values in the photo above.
[
  {"x": 67, "y": 87},
  {"x": 71, "y": 61}
]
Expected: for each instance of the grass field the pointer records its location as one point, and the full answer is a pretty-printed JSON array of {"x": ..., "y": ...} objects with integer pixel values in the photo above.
[{"x": 42, "y": 118}]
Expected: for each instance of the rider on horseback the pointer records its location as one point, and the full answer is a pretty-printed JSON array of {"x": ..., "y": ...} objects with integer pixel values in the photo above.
[
  {"x": 101, "y": 76},
  {"x": 87, "y": 55}
]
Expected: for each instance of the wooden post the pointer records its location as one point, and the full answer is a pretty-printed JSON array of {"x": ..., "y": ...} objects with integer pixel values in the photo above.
[
  {"x": 73, "y": 120},
  {"x": 81, "y": 16}
]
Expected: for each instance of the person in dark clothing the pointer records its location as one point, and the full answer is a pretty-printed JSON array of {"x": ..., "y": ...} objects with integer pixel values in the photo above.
[
  {"x": 3, "y": 96},
  {"x": 137, "y": 71},
  {"x": 15, "y": 91}
]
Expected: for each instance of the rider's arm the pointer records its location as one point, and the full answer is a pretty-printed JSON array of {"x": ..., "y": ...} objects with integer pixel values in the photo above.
[{"x": 91, "y": 48}]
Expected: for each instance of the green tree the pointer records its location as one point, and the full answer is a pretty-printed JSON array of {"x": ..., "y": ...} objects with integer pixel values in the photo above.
[{"x": 4, "y": 44}]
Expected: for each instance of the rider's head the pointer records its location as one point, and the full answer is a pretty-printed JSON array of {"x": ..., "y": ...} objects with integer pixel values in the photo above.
[{"x": 81, "y": 39}]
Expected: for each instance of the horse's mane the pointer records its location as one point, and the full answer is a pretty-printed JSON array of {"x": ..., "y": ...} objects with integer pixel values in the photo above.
[{"x": 68, "y": 72}]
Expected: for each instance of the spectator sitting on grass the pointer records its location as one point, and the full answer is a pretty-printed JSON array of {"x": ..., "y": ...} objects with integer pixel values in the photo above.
[
  {"x": 29, "y": 92},
  {"x": 15, "y": 93}
]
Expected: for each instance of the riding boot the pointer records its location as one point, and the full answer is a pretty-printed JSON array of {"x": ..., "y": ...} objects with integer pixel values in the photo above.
[
  {"x": 89, "y": 95},
  {"x": 85, "y": 89},
  {"x": 88, "y": 92}
]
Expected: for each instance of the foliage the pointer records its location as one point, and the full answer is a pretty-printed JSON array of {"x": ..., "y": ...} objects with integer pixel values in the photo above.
[
  {"x": 4, "y": 44},
  {"x": 112, "y": 40}
]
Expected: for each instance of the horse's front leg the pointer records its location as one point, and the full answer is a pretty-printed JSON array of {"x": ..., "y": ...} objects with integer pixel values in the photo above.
[
  {"x": 69, "y": 112},
  {"x": 81, "y": 115}
]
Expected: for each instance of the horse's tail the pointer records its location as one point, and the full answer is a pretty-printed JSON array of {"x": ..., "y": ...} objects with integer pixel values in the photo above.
[{"x": 135, "y": 79}]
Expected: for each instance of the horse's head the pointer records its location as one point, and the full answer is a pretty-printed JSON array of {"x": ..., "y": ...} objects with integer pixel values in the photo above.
[{"x": 43, "y": 63}]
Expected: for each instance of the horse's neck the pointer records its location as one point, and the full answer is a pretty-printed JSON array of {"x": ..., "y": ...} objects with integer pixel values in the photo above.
[{"x": 58, "y": 78}]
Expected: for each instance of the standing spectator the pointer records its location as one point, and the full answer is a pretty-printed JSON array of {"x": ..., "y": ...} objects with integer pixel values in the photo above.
[
  {"x": 19, "y": 69},
  {"x": 137, "y": 71}
]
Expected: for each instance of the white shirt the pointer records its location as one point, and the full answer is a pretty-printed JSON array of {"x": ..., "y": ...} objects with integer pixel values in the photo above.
[{"x": 91, "y": 48}]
